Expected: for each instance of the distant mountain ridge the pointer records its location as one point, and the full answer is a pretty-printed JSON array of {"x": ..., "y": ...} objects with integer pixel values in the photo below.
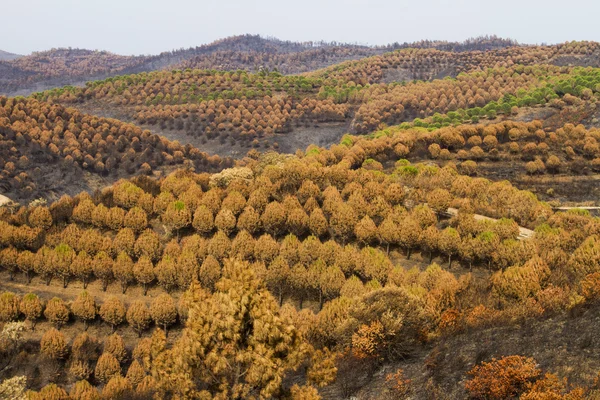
[
  {"x": 6, "y": 56},
  {"x": 66, "y": 66}
]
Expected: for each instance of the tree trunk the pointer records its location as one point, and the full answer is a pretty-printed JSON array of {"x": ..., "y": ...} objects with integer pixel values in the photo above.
[
  {"x": 236, "y": 379},
  {"x": 280, "y": 297},
  {"x": 430, "y": 256},
  {"x": 104, "y": 285},
  {"x": 388, "y": 249},
  {"x": 85, "y": 325},
  {"x": 48, "y": 281},
  {"x": 85, "y": 283},
  {"x": 10, "y": 273},
  {"x": 408, "y": 253},
  {"x": 65, "y": 281},
  {"x": 28, "y": 276},
  {"x": 145, "y": 288},
  {"x": 320, "y": 300},
  {"x": 449, "y": 261},
  {"x": 166, "y": 332},
  {"x": 123, "y": 288}
]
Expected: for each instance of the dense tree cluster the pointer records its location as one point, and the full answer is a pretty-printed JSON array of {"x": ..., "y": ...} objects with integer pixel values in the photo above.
[
  {"x": 63, "y": 65},
  {"x": 107, "y": 239},
  {"x": 247, "y": 52},
  {"x": 66, "y": 61},
  {"x": 296, "y": 225}
]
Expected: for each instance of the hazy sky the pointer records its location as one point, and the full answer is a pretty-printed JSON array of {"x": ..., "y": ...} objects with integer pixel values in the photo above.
[{"x": 152, "y": 26}]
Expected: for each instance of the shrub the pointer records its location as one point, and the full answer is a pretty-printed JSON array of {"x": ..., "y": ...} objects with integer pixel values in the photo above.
[
  {"x": 57, "y": 312},
  {"x": 107, "y": 367},
  {"x": 53, "y": 345},
  {"x": 9, "y": 307},
  {"x": 31, "y": 306},
  {"x": 502, "y": 379},
  {"x": 84, "y": 308},
  {"x": 112, "y": 312}
]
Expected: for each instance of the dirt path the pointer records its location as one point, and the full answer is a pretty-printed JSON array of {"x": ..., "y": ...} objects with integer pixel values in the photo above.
[
  {"x": 55, "y": 289},
  {"x": 4, "y": 200},
  {"x": 565, "y": 208},
  {"x": 524, "y": 233}
]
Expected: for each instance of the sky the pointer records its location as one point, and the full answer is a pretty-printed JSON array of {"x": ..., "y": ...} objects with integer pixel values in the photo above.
[{"x": 152, "y": 26}]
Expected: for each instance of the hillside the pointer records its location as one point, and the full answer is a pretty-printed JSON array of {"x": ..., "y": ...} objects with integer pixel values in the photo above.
[
  {"x": 256, "y": 218},
  {"x": 321, "y": 235},
  {"x": 207, "y": 108},
  {"x": 229, "y": 113},
  {"x": 48, "y": 150}
]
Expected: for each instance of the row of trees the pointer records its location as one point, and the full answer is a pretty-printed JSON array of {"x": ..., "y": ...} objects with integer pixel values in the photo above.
[
  {"x": 182, "y": 87},
  {"x": 254, "y": 118},
  {"x": 163, "y": 311},
  {"x": 244, "y": 363},
  {"x": 371, "y": 306}
]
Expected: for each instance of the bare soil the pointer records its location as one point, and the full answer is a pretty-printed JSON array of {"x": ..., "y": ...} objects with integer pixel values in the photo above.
[{"x": 565, "y": 345}]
